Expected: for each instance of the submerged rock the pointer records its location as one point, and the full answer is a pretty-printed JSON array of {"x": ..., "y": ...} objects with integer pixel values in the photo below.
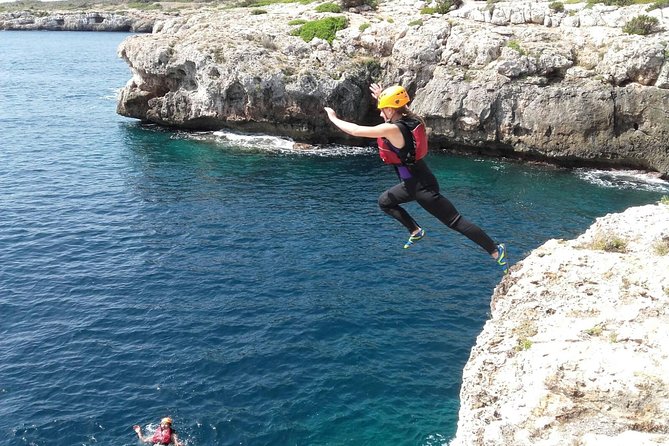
[{"x": 575, "y": 351}]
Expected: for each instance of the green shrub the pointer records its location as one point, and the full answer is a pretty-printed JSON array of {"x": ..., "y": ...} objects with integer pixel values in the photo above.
[
  {"x": 514, "y": 45},
  {"x": 441, "y": 7},
  {"x": 417, "y": 22},
  {"x": 363, "y": 27},
  {"x": 659, "y": 4},
  {"x": 297, "y": 22},
  {"x": 328, "y": 7},
  {"x": 641, "y": 25},
  {"x": 325, "y": 29},
  {"x": 523, "y": 344},
  {"x": 611, "y": 2},
  {"x": 258, "y": 11},
  {"x": 556, "y": 6},
  {"x": 490, "y": 4},
  {"x": 665, "y": 200}
]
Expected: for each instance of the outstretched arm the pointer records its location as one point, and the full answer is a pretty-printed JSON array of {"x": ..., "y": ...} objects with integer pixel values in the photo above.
[
  {"x": 386, "y": 130},
  {"x": 138, "y": 431}
]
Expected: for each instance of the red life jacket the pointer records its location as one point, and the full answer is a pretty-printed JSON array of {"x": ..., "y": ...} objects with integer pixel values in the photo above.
[
  {"x": 162, "y": 436},
  {"x": 415, "y": 143}
]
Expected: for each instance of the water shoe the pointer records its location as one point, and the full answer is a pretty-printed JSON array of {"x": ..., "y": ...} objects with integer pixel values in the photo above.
[
  {"x": 502, "y": 259},
  {"x": 414, "y": 238}
]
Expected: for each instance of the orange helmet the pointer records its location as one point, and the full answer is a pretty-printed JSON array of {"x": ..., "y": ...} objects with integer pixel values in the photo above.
[{"x": 393, "y": 97}]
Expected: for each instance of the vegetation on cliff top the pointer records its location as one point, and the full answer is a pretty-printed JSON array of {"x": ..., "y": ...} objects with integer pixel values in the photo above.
[
  {"x": 435, "y": 7},
  {"x": 325, "y": 29},
  {"x": 642, "y": 25}
]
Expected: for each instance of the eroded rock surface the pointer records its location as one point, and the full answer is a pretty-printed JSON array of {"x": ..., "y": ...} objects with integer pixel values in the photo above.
[
  {"x": 576, "y": 351},
  {"x": 128, "y": 21},
  {"x": 517, "y": 79}
]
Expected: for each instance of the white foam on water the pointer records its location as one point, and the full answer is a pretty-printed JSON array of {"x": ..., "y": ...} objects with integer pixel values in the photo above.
[
  {"x": 114, "y": 95},
  {"x": 273, "y": 144},
  {"x": 254, "y": 141},
  {"x": 436, "y": 439},
  {"x": 624, "y": 179}
]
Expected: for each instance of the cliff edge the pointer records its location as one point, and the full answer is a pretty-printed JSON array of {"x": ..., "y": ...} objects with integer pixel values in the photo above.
[{"x": 576, "y": 350}]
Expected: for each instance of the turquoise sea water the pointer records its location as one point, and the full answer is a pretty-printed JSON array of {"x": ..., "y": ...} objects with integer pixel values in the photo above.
[{"x": 253, "y": 292}]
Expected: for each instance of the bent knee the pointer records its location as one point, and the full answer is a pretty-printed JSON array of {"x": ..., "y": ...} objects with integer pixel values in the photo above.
[{"x": 384, "y": 201}]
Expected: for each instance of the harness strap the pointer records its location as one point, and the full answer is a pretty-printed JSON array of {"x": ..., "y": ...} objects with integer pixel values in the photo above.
[{"x": 408, "y": 153}]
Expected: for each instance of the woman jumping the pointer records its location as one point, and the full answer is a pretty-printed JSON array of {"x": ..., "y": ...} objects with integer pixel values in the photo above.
[{"x": 402, "y": 141}]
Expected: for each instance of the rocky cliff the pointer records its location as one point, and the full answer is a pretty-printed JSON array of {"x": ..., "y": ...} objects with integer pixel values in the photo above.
[
  {"x": 128, "y": 21},
  {"x": 517, "y": 79},
  {"x": 576, "y": 350}
]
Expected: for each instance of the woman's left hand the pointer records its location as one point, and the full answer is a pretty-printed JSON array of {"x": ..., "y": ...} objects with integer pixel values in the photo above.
[
  {"x": 331, "y": 113},
  {"x": 376, "y": 90}
]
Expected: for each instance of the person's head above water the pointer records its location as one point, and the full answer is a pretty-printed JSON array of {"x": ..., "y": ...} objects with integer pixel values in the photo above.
[
  {"x": 163, "y": 434},
  {"x": 393, "y": 97}
]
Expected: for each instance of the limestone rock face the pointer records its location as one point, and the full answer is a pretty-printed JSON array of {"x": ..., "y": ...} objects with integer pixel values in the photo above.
[
  {"x": 517, "y": 79},
  {"x": 138, "y": 22},
  {"x": 246, "y": 80},
  {"x": 576, "y": 350}
]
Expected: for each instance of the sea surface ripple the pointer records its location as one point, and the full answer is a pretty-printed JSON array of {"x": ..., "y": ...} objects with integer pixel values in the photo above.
[{"x": 252, "y": 291}]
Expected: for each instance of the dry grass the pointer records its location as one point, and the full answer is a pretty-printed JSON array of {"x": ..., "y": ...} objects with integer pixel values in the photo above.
[
  {"x": 661, "y": 247},
  {"x": 525, "y": 331},
  {"x": 608, "y": 243},
  {"x": 595, "y": 331}
]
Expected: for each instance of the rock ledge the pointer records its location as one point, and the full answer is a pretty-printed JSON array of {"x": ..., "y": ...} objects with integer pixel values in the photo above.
[{"x": 576, "y": 350}]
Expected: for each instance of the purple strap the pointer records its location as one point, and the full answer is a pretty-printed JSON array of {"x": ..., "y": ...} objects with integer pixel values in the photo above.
[{"x": 404, "y": 172}]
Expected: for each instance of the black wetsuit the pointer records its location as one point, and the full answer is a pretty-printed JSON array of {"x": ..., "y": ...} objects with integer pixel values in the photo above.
[{"x": 421, "y": 185}]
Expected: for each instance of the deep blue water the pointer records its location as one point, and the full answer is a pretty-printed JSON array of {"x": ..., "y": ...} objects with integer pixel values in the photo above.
[{"x": 254, "y": 293}]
